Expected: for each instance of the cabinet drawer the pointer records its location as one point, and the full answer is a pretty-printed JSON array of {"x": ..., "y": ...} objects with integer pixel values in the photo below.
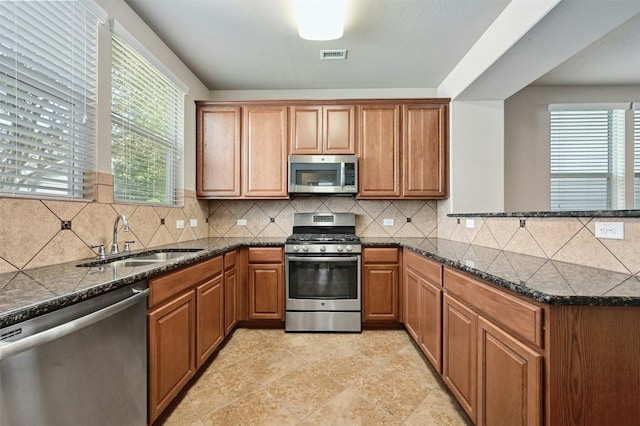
[
  {"x": 169, "y": 285},
  {"x": 380, "y": 255},
  {"x": 427, "y": 268},
  {"x": 517, "y": 315},
  {"x": 265, "y": 255},
  {"x": 230, "y": 259}
]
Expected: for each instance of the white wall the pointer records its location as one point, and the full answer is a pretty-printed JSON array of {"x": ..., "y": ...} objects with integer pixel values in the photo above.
[
  {"x": 476, "y": 162},
  {"x": 526, "y": 149},
  {"x": 244, "y": 95},
  {"x": 119, "y": 10}
]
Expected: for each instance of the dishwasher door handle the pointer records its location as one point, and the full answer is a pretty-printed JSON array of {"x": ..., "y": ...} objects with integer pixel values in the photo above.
[{"x": 13, "y": 348}]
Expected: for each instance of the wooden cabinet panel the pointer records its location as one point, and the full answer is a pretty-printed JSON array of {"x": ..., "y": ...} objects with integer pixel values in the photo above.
[
  {"x": 380, "y": 293},
  {"x": 339, "y": 129},
  {"x": 264, "y": 151},
  {"x": 425, "y": 147},
  {"x": 522, "y": 317},
  {"x": 218, "y": 152},
  {"x": 460, "y": 360},
  {"x": 209, "y": 318},
  {"x": 266, "y": 292},
  {"x": 509, "y": 378},
  {"x": 328, "y": 129},
  {"x": 430, "y": 320},
  {"x": 172, "y": 345},
  {"x": 230, "y": 300},
  {"x": 266, "y": 255},
  {"x": 411, "y": 287},
  {"x": 379, "y": 150}
]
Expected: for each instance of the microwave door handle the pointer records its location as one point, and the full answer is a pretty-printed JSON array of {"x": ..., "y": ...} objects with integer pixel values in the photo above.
[{"x": 342, "y": 174}]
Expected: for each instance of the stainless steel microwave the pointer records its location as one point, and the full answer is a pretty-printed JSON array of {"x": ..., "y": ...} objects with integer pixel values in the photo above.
[{"x": 323, "y": 174}]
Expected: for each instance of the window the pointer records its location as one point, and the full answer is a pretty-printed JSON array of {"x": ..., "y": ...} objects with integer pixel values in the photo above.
[
  {"x": 636, "y": 155},
  {"x": 147, "y": 125},
  {"x": 587, "y": 157},
  {"x": 48, "y": 98}
]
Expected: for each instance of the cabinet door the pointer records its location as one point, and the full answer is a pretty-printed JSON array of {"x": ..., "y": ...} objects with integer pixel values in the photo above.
[
  {"x": 379, "y": 149},
  {"x": 425, "y": 146},
  {"x": 266, "y": 292},
  {"x": 339, "y": 129},
  {"x": 172, "y": 346},
  {"x": 230, "y": 300},
  {"x": 460, "y": 360},
  {"x": 380, "y": 293},
  {"x": 210, "y": 318},
  {"x": 509, "y": 378},
  {"x": 430, "y": 317},
  {"x": 306, "y": 130},
  {"x": 264, "y": 151},
  {"x": 411, "y": 319},
  {"x": 218, "y": 152}
]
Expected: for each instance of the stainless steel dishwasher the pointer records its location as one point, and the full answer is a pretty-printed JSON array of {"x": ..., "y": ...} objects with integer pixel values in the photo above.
[{"x": 85, "y": 364}]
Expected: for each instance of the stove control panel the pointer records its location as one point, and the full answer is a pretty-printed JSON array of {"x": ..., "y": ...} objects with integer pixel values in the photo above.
[{"x": 323, "y": 248}]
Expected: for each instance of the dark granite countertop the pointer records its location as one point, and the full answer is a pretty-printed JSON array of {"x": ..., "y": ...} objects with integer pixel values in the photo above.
[{"x": 29, "y": 293}]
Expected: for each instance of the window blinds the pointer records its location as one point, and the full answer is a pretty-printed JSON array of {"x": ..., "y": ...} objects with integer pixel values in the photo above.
[
  {"x": 48, "y": 59},
  {"x": 147, "y": 125},
  {"x": 587, "y": 159},
  {"x": 636, "y": 155}
]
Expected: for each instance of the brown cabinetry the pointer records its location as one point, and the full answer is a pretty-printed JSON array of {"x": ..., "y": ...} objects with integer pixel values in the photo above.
[
  {"x": 185, "y": 326},
  {"x": 231, "y": 288},
  {"x": 266, "y": 283},
  {"x": 493, "y": 359},
  {"x": 218, "y": 151},
  {"x": 422, "y": 284},
  {"x": 379, "y": 150},
  {"x": 322, "y": 129},
  {"x": 380, "y": 285},
  {"x": 411, "y": 164},
  {"x": 425, "y": 150}
]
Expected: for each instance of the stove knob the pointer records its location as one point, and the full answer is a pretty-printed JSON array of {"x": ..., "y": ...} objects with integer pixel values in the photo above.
[
  {"x": 349, "y": 248},
  {"x": 305, "y": 248},
  {"x": 323, "y": 248},
  {"x": 296, "y": 248},
  {"x": 339, "y": 248}
]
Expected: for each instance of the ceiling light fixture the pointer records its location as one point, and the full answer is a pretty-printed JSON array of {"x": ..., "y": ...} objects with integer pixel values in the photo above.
[{"x": 321, "y": 19}]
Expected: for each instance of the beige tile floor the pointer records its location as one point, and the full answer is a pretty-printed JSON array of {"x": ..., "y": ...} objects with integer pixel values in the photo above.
[{"x": 269, "y": 377}]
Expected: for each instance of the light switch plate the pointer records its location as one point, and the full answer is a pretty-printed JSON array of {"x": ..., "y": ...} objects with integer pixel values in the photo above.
[
  {"x": 611, "y": 230},
  {"x": 242, "y": 222},
  {"x": 180, "y": 224},
  {"x": 387, "y": 222},
  {"x": 193, "y": 223}
]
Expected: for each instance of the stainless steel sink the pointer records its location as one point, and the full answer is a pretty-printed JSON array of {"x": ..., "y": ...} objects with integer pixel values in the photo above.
[{"x": 142, "y": 259}]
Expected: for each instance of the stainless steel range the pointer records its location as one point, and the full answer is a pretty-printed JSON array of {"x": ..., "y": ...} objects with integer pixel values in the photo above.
[{"x": 322, "y": 273}]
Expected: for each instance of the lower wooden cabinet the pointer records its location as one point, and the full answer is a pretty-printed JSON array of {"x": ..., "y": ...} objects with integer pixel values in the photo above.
[
  {"x": 266, "y": 283},
  {"x": 460, "y": 359},
  {"x": 231, "y": 287},
  {"x": 422, "y": 284},
  {"x": 172, "y": 348},
  {"x": 186, "y": 325},
  {"x": 380, "y": 285}
]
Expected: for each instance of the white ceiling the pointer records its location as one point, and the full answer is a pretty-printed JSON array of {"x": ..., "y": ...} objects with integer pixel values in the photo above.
[{"x": 254, "y": 45}]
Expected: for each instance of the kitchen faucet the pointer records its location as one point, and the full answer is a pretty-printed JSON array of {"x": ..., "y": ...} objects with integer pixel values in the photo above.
[{"x": 125, "y": 222}]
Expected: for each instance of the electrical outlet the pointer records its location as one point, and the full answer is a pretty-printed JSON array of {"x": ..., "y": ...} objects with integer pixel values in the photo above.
[
  {"x": 470, "y": 223},
  {"x": 242, "y": 222},
  {"x": 193, "y": 223},
  {"x": 180, "y": 224},
  {"x": 387, "y": 222},
  {"x": 612, "y": 230}
]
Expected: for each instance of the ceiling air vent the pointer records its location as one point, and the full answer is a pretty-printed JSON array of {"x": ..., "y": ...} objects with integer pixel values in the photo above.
[{"x": 340, "y": 54}]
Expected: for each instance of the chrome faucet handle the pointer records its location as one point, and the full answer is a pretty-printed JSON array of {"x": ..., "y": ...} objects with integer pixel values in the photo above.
[
  {"x": 127, "y": 246},
  {"x": 101, "y": 252}
]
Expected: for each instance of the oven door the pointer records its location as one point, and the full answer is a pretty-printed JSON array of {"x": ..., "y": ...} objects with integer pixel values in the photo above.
[{"x": 323, "y": 283}]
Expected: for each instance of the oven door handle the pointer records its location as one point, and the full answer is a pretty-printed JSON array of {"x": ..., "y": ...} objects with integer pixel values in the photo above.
[{"x": 323, "y": 258}]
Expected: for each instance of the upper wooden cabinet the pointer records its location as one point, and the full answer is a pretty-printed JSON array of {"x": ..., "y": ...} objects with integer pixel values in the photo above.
[
  {"x": 424, "y": 150},
  {"x": 218, "y": 152},
  {"x": 379, "y": 148},
  {"x": 407, "y": 164},
  {"x": 326, "y": 129},
  {"x": 264, "y": 151}
]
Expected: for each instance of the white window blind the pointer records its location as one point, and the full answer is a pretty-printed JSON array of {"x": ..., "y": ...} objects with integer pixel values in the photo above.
[
  {"x": 636, "y": 155},
  {"x": 147, "y": 125},
  {"x": 587, "y": 159},
  {"x": 48, "y": 58}
]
